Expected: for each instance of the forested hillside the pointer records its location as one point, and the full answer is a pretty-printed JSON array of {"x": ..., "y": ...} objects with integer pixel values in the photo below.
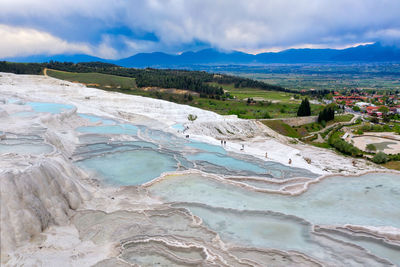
[{"x": 197, "y": 81}]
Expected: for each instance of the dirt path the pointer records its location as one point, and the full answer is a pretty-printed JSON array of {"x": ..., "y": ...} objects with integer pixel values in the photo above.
[
  {"x": 45, "y": 71},
  {"x": 334, "y": 125}
]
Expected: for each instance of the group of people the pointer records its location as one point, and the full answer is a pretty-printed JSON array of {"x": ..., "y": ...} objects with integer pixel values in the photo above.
[{"x": 223, "y": 143}]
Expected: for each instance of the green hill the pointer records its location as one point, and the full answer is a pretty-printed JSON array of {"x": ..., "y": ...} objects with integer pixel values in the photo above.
[{"x": 94, "y": 79}]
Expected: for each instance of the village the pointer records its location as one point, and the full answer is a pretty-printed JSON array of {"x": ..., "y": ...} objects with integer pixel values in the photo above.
[
  {"x": 374, "y": 130},
  {"x": 369, "y": 103}
]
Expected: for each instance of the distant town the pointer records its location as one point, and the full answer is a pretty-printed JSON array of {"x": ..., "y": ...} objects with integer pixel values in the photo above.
[{"x": 370, "y": 103}]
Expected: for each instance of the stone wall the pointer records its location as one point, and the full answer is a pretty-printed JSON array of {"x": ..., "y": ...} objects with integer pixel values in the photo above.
[{"x": 297, "y": 121}]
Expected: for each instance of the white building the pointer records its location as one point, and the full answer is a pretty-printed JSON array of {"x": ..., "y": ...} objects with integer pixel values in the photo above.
[{"x": 364, "y": 104}]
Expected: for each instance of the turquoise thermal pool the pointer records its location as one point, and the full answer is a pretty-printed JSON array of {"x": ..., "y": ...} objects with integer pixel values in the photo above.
[
  {"x": 24, "y": 145},
  {"x": 54, "y": 108},
  {"x": 162, "y": 152},
  {"x": 370, "y": 199},
  {"x": 227, "y": 193},
  {"x": 94, "y": 118},
  {"x": 130, "y": 167},
  {"x": 178, "y": 127},
  {"x": 39, "y": 107},
  {"x": 238, "y": 214}
]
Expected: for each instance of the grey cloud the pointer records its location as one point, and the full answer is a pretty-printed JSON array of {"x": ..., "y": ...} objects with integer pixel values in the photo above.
[{"x": 225, "y": 24}]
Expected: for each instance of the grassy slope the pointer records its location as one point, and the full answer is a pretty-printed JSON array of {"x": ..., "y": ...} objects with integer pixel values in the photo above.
[
  {"x": 282, "y": 128},
  {"x": 244, "y": 93},
  {"x": 302, "y": 130},
  {"x": 95, "y": 79},
  {"x": 395, "y": 165},
  {"x": 262, "y": 109},
  {"x": 282, "y": 106}
]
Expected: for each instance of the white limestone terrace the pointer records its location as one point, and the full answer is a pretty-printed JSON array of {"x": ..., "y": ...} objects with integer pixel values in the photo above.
[
  {"x": 56, "y": 214},
  {"x": 257, "y": 138}
]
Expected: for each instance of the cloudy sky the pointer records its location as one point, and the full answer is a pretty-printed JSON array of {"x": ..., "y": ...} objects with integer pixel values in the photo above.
[{"x": 119, "y": 28}]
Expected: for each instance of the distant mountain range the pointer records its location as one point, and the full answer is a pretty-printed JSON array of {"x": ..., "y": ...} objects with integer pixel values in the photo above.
[{"x": 363, "y": 53}]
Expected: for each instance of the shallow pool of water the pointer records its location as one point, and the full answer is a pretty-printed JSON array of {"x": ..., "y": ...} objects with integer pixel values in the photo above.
[
  {"x": 207, "y": 147},
  {"x": 130, "y": 167},
  {"x": 228, "y": 162},
  {"x": 127, "y": 129},
  {"x": 26, "y": 149},
  {"x": 178, "y": 127},
  {"x": 94, "y": 118},
  {"x": 271, "y": 230},
  {"x": 53, "y": 108},
  {"x": 371, "y": 199}
]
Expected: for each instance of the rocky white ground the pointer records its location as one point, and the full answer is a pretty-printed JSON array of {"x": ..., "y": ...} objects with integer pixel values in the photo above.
[{"x": 52, "y": 213}]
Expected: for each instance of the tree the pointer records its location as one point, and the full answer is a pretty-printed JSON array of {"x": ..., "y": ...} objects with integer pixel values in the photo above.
[
  {"x": 327, "y": 114},
  {"x": 192, "y": 117},
  {"x": 380, "y": 157},
  {"x": 304, "y": 108},
  {"x": 383, "y": 109},
  {"x": 356, "y": 108},
  {"x": 371, "y": 147},
  {"x": 386, "y": 118},
  {"x": 374, "y": 120}
]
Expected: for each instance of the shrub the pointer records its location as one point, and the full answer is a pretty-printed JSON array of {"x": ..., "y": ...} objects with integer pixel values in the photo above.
[
  {"x": 380, "y": 157},
  {"x": 337, "y": 142},
  {"x": 266, "y": 115},
  {"x": 371, "y": 147},
  {"x": 192, "y": 117},
  {"x": 359, "y": 132}
]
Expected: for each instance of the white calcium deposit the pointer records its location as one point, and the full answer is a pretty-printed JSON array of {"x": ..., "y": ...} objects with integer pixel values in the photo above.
[{"x": 55, "y": 214}]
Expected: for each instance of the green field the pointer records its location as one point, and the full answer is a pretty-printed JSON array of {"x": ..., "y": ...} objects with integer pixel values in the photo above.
[
  {"x": 269, "y": 104},
  {"x": 302, "y": 130},
  {"x": 374, "y": 76},
  {"x": 282, "y": 128},
  {"x": 95, "y": 79},
  {"x": 258, "y": 110},
  {"x": 244, "y": 93}
]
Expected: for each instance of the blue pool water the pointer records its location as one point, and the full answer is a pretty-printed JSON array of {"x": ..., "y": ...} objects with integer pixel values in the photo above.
[
  {"x": 93, "y": 118},
  {"x": 178, "y": 127},
  {"x": 110, "y": 129},
  {"x": 106, "y": 156},
  {"x": 227, "y": 162},
  {"x": 54, "y": 108},
  {"x": 130, "y": 167},
  {"x": 207, "y": 147},
  {"x": 13, "y": 100}
]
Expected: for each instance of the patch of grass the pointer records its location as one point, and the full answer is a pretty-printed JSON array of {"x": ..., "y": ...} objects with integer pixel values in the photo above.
[
  {"x": 394, "y": 165},
  {"x": 343, "y": 118},
  {"x": 322, "y": 145},
  {"x": 259, "y": 110},
  {"x": 95, "y": 79},
  {"x": 282, "y": 128},
  {"x": 244, "y": 93},
  {"x": 309, "y": 127}
]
